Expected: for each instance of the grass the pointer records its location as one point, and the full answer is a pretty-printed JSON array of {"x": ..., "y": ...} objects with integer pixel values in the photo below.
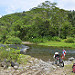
[
  {"x": 68, "y": 69},
  {"x": 58, "y": 44},
  {"x": 23, "y": 59}
]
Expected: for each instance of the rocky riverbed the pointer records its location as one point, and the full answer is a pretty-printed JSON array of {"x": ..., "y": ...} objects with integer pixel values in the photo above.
[{"x": 36, "y": 67}]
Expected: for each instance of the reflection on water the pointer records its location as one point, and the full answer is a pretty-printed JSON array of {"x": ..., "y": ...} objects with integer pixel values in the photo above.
[{"x": 46, "y": 52}]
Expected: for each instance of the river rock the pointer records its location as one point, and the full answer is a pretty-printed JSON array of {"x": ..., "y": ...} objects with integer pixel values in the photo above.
[
  {"x": 16, "y": 64},
  {"x": 71, "y": 59},
  {"x": 15, "y": 67},
  {"x": 3, "y": 64},
  {"x": 12, "y": 64},
  {"x": 24, "y": 49},
  {"x": 67, "y": 62},
  {"x": 7, "y": 64}
]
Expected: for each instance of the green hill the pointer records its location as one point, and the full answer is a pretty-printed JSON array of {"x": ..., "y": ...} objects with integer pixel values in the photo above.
[{"x": 44, "y": 21}]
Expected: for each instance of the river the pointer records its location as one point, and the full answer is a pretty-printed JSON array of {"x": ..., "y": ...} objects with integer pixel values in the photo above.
[{"x": 44, "y": 52}]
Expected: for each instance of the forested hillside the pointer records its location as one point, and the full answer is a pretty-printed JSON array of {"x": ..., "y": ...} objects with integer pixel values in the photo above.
[{"x": 44, "y": 21}]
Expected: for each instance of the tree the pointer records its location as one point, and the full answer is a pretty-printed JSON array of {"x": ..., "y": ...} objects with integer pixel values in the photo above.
[{"x": 4, "y": 30}]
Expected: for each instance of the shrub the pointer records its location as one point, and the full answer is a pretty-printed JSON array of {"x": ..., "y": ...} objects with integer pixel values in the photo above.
[
  {"x": 49, "y": 38},
  {"x": 9, "y": 53},
  {"x": 69, "y": 40},
  {"x": 36, "y": 40},
  {"x": 13, "y": 40},
  {"x": 39, "y": 39},
  {"x": 56, "y": 39}
]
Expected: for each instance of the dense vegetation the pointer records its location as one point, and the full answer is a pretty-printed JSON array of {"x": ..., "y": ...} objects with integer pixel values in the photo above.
[
  {"x": 42, "y": 23},
  {"x": 10, "y": 54}
]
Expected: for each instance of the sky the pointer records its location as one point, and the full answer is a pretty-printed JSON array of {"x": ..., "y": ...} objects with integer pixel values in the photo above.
[{"x": 13, "y": 6}]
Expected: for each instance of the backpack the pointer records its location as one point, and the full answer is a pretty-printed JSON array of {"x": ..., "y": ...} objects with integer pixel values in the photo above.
[{"x": 73, "y": 68}]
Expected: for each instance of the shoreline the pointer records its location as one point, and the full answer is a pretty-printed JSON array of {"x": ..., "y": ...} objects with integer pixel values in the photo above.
[
  {"x": 27, "y": 42},
  {"x": 58, "y": 44},
  {"x": 53, "y": 44},
  {"x": 38, "y": 67}
]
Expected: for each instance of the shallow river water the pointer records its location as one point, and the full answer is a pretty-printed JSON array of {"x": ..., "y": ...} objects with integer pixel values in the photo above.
[{"x": 46, "y": 52}]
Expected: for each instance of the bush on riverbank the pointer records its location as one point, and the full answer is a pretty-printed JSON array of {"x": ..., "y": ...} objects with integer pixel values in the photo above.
[
  {"x": 13, "y": 40},
  {"x": 56, "y": 39},
  {"x": 40, "y": 39},
  {"x": 13, "y": 55},
  {"x": 69, "y": 40},
  {"x": 9, "y": 53},
  {"x": 45, "y": 39}
]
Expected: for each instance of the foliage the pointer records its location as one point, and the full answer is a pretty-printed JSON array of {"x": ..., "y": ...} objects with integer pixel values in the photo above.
[
  {"x": 42, "y": 21},
  {"x": 13, "y": 40},
  {"x": 69, "y": 40},
  {"x": 9, "y": 53},
  {"x": 23, "y": 59},
  {"x": 40, "y": 39},
  {"x": 71, "y": 17},
  {"x": 56, "y": 38}
]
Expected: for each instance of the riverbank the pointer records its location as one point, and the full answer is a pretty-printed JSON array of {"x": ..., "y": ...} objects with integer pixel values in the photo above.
[
  {"x": 66, "y": 70},
  {"x": 27, "y": 42},
  {"x": 54, "y": 44},
  {"x": 58, "y": 44},
  {"x": 36, "y": 66}
]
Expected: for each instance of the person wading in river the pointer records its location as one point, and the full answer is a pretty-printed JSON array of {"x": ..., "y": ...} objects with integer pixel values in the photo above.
[{"x": 56, "y": 55}]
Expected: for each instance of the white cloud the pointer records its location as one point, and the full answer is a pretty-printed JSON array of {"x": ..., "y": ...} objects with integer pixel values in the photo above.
[
  {"x": 0, "y": 16},
  {"x": 22, "y": 5},
  {"x": 10, "y": 9},
  {"x": 11, "y": 6},
  {"x": 66, "y": 4}
]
